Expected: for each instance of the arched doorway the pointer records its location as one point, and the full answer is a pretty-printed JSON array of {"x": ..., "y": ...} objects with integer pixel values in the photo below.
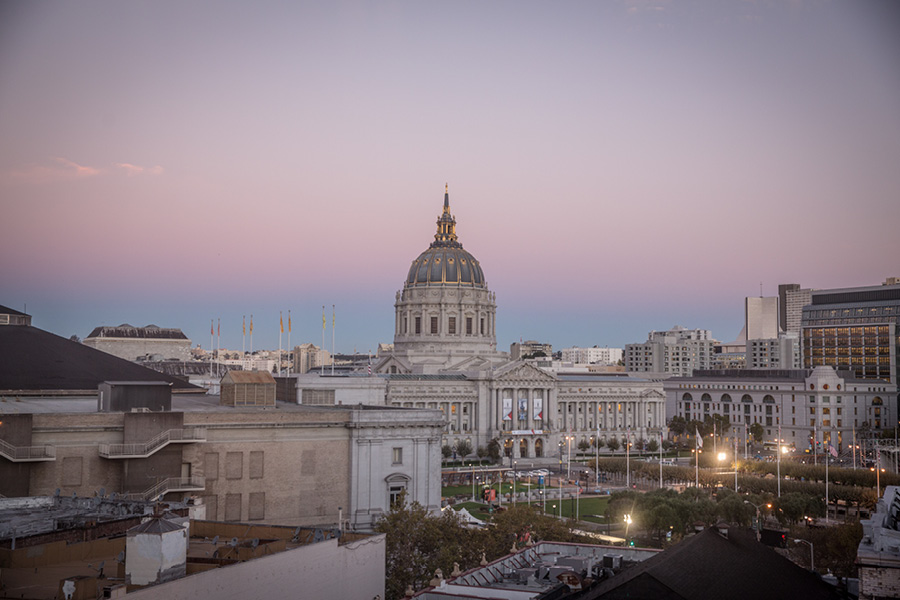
[
  {"x": 508, "y": 447},
  {"x": 523, "y": 448},
  {"x": 538, "y": 448}
]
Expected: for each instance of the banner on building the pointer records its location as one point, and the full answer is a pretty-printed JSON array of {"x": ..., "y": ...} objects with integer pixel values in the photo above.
[
  {"x": 538, "y": 408},
  {"x": 507, "y": 409},
  {"x": 523, "y": 408}
]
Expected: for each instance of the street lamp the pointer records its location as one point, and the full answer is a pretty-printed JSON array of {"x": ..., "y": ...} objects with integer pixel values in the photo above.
[
  {"x": 627, "y": 524},
  {"x": 515, "y": 476},
  {"x": 811, "y": 565},
  {"x": 758, "y": 522}
]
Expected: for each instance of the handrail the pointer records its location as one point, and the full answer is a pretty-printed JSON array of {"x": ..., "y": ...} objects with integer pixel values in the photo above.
[
  {"x": 170, "y": 484},
  {"x": 145, "y": 449},
  {"x": 27, "y": 453}
]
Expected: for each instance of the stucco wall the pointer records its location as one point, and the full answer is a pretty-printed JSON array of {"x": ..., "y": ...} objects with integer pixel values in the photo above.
[{"x": 324, "y": 571}]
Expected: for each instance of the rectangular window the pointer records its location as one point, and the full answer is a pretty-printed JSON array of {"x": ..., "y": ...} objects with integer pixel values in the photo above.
[
  {"x": 468, "y": 325},
  {"x": 397, "y": 456},
  {"x": 256, "y": 466},
  {"x": 257, "y": 508},
  {"x": 234, "y": 468},
  {"x": 418, "y": 325},
  {"x": 482, "y": 325},
  {"x": 434, "y": 325},
  {"x": 451, "y": 326},
  {"x": 396, "y": 491}
]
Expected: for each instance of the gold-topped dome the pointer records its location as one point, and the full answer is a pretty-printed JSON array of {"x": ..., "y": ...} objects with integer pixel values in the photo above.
[{"x": 445, "y": 262}]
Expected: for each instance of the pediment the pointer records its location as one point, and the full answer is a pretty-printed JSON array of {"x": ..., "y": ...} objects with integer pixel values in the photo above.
[
  {"x": 522, "y": 371},
  {"x": 653, "y": 394},
  {"x": 391, "y": 360}
]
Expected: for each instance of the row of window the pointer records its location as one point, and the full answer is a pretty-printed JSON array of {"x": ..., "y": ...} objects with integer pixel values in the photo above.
[{"x": 434, "y": 329}]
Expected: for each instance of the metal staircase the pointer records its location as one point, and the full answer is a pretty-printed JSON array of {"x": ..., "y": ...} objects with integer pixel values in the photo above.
[
  {"x": 145, "y": 449},
  {"x": 171, "y": 484},
  {"x": 27, "y": 453}
]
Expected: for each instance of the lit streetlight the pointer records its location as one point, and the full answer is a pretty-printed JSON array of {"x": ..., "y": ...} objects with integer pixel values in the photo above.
[
  {"x": 628, "y": 522},
  {"x": 758, "y": 522}
]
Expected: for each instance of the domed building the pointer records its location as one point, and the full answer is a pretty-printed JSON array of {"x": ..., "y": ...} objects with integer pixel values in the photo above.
[
  {"x": 444, "y": 317},
  {"x": 445, "y": 356}
]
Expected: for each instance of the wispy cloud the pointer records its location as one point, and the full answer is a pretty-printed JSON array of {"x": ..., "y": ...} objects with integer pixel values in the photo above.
[
  {"x": 133, "y": 170},
  {"x": 78, "y": 170},
  {"x": 56, "y": 169}
]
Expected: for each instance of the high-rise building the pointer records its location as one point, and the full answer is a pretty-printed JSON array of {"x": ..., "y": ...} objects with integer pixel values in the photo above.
[
  {"x": 761, "y": 318},
  {"x": 854, "y": 328},
  {"x": 678, "y": 351},
  {"x": 791, "y": 300}
]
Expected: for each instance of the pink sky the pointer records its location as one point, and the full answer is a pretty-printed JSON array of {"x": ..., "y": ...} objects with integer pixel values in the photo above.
[{"x": 616, "y": 167}]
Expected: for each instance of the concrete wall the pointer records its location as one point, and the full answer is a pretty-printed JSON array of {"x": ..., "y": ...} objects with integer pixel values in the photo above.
[
  {"x": 325, "y": 571},
  {"x": 139, "y": 474}
]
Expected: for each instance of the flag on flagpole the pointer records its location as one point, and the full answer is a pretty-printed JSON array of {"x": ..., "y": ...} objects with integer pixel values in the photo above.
[
  {"x": 323, "y": 317},
  {"x": 281, "y": 321},
  {"x": 832, "y": 450},
  {"x": 219, "y": 328},
  {"x": 289, "y": 321},
  {"x": 251, "y": 325},
  {"x": 698, "y": 438},
  {"x": 212, "y": 329},
  {"x": 244, "y": 324}
]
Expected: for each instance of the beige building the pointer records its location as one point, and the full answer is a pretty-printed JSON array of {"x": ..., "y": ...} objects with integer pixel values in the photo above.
[{"x": 287, "y": 464}]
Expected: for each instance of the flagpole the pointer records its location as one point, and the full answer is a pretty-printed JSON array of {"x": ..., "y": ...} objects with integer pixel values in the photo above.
[
  {"x": 627, "y": 459},
  {"x": 778, "y": 454},
  {"x": 332, "y": 339},
  {"x": 322, "y": 366},
  {"x": 243, "y": 339},
  {"x": 218, "y": 343},
  {"x": 212, "y": 333},
  {"x": 660, "y": 459},
  {"x": 698, "y": 443},
  {"x": 854, "y": 447},
  {"x": 290, "y": 351},
  {"x": 280, "y": 332},
  {"x": 826, "y": 481},
  {"x": 251, "y": 334}
]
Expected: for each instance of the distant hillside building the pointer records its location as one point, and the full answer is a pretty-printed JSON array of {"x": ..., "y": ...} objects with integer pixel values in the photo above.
[
  {"x": 519, "y": 350},
  {"x": 134, "y": 343},
  {"x": 309, "y": 356},
  {"x": 591, "y": 356}
]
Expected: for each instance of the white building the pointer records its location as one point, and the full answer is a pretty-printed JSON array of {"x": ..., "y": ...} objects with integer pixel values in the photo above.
[
  {"x": 782, "y": 352},
  {"x": 808, "y": 404},
  {"x": 761, "y": 318},
  {"x": 590, "y": 356}
]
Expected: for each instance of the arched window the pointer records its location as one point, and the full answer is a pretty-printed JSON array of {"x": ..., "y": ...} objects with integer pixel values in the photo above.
[
  {"x": 705, "y": 398},
  {"x": 397, "y": 483},
  {"x": 877, "y": 401},
  {"x": 538, "y": 448},
  {"x": 767, "y": 399},
  {"x": 687, "y": 398},
  {"x": 746, "y": 398},
  {"x": 523, "y": 448},
  {"x": 726, "y": 397}
]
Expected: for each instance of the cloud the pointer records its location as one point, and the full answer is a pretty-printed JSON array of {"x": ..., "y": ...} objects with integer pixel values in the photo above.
[
  {"x": 59, "y": 169},
  {"x": 78, "y": 170},
  {"x": 132, "y": 170}
]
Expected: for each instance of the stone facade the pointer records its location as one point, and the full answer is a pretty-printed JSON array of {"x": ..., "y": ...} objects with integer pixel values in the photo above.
[{"x": 290, "y": 465}]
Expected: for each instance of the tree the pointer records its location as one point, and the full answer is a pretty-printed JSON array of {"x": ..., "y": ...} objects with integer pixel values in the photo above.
[
  {"x": 446, "y": 451},
  {"x": 677, "y": 425},
  {"x": 653, "y": 445},
  {"x": 613, "y": 444},
  {"x": 75, "y": 338},
  {"x": 418, "y": 543},
  {"x": 463, "y": 448},
  {"x": 482, "y": 452},
  {"x": 494, "y": 450},
  {"x": 584, "y": 445},
  {"x": 756, "y": 430}
]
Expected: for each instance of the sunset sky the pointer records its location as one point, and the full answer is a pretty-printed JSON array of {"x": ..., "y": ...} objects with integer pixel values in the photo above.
[{"x": 616, "y": 167}]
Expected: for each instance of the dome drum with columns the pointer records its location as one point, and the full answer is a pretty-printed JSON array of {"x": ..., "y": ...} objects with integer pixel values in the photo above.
[{"x": 445, "y": 312}]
